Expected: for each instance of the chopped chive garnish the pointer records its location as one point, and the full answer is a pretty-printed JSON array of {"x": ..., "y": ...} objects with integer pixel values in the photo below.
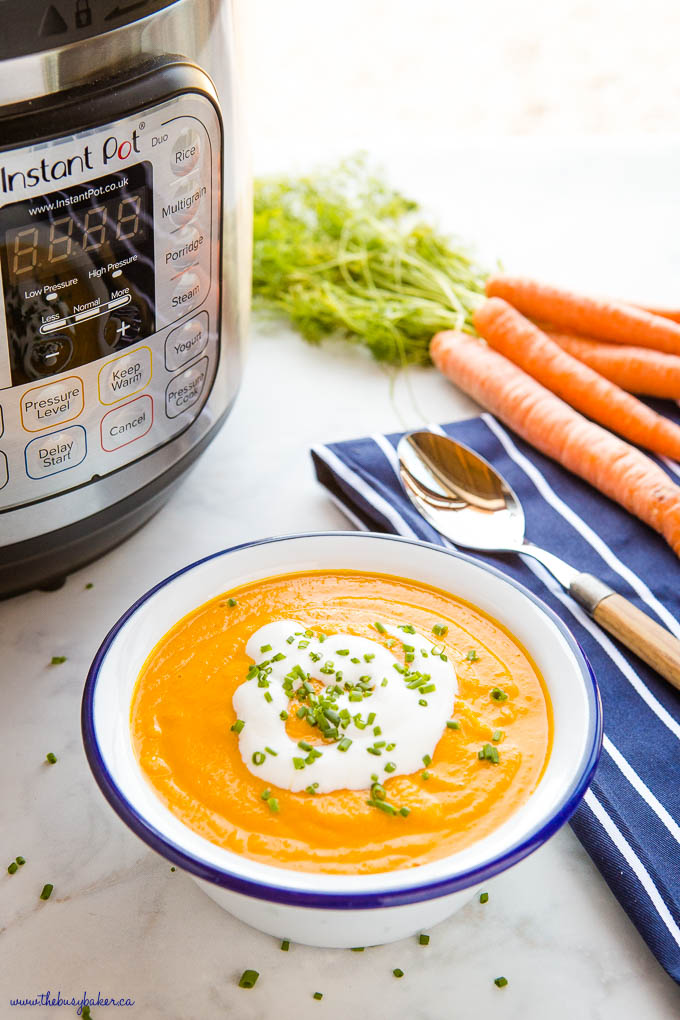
[
  {"x": 299, "y": 763},
  {"x": 383, "y": 806},
  {"x": 273, "y": 804},
  {"x": 376, "y": 730},
  {"x": 248, "y": 979},
  {"x": 440, "y": 629},
  {"x": 318, "y": 996},
  {"x": 231, "y": 602},
  {"x": 422, "y": 702},
  {"x": 398, "y": 972},
  {"x": 498, "y": 694},
  {"x": 452, "y": 724},
  {"x": 484, "y": 897},
  {"x": 355, "y": 660},
  {"x": 301, "y": 712},
  {"x": 390, "y": 766},
  {"x": 342, "y": 651},
  {"x": 425, "y": 775},
  {"x": 266, "y": 794},
  {"x": 489, "y": 753},
  {"x": 285, "y": 945},
  {"x": 283, "y": 714},
  {"x": 427, "y": 760},
  {"x": 20, "y": 860},
  {"x": 258, "y": 758},
  {"x": 384, "y": 683},
  {"x": 173, "y": 869},
  {"x": 290, "y": 640},
  {"x": 500, "y": 982},
  {"x": 405, "y": 811},
  {"x": 51, "y": 758},
  {"x": 496, "y": 736},
  {"x": 304, "y": 746},
  {"x": 358, "y": 949},
  {"x": 408, "y": 628},
  {"x": 57, "y": 660},
  {"x": 89, "y": 585},
  {"x": 12, "y": 867},
  {"x": 47, "y": 891},
  {"x": 312, "y": 788},
  {"x": 472, "y": 655},
  {"x": 390, "y": 747},
  {"x": 237, "y": 727},
  {"x": 424, "y": 940},
  {"x": 278, "y": 657},
  {"x": 265, "y": 648},
  {"x": 344, "y": 744},
  {"x": 369, "y": 656},
  {"x": 267, "y": 696},
  {"x": 270, "y": 750},
  {"x": 379, "y": 627}
]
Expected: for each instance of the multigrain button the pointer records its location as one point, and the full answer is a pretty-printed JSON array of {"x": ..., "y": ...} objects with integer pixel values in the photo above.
[
  {"x": 186, "y": 342},
  {"x": 52, "y": 403},
  {"x": 186, "y": 388},
  {"x": 186, "y": 152},
  {"x": 125, "y": 375},
  {"x": 184, "y": 200},
  {"x": 4, "y": 470},
  {"x": 126, "y": 423},
  {"x": 55, "y": 452}
]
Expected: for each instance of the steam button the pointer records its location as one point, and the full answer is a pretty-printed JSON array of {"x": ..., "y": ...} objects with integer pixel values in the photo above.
[
  {"x": 188, "y": 293},
  {"x": 186, "y": 152}
]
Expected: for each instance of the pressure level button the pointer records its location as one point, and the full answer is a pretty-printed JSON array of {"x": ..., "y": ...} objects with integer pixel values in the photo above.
[
  {"x": 52, "y": 403},
  {"x": 186, "y": 152}
]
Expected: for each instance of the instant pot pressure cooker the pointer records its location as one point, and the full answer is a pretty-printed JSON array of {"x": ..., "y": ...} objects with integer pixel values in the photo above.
[{"x": 125, "y": 232}]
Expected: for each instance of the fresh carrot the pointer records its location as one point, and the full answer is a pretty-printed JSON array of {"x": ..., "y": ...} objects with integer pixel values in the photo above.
[
  {"x": 521, "y": 341},
  {"x": 618, "y": 470},
  {"x": 666, "y": 313},
  {"x": 636, "y": 369},
  {"x": 592, "y": 317}
]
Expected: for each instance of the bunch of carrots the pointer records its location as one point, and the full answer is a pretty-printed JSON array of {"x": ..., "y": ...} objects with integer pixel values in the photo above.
[{"x": 561, "y": 369}]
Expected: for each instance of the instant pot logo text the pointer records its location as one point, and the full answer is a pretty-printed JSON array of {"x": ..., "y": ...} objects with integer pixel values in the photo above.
[{"x": 113, "y": 151}]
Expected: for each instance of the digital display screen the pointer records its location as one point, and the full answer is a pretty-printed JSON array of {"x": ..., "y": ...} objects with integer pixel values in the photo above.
[{"x": 78, "y": 272}]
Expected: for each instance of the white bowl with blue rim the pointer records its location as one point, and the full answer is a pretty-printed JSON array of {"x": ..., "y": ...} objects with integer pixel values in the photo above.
[{"x": 342, "y": 910}]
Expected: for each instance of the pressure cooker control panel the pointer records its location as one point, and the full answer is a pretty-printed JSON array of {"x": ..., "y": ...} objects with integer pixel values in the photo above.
[{"x": 110, "y": 282}]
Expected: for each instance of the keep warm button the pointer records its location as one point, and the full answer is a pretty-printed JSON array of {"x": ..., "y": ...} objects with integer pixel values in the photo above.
[
  {"x": 57, "y": 451},
  {"x": 125, "y": 375},
  {"x": 186, "y": 388},
  {"x": 126, "y": 423}
]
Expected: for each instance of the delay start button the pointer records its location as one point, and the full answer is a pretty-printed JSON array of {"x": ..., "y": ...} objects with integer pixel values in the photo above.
[
  {"x": 186, "y": 388},
  {"x": 55, "y": 452},
  {"x": 186, "y": 342},
  {"x": 126, "y": 423},
  {"x": 125, "y": 375},
  {"x": 52, "y": 403}
]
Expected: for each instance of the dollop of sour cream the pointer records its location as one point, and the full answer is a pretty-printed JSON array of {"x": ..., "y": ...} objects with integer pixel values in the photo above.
[{"x": 382, "y": 716}]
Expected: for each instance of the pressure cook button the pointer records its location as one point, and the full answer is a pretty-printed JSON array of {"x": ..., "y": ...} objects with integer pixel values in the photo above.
[
  {"x": 125, "y": 375},
  {"x": 126, "y": 423},
  {"x": 186, "y": 152},
  {"x": 4, "y": 470},
  {"x": 186, "y": 342},
  {"x": 52, "y": 403},
  {"x": 184, "y": 200},
  {"x": 190, "y": 289},
  {"x": 55, "y": 452},
  {"x": 186, "y": 388}
]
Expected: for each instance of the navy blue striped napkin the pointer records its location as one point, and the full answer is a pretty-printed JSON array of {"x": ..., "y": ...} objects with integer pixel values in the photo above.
[{"x": 629, "y": 821}]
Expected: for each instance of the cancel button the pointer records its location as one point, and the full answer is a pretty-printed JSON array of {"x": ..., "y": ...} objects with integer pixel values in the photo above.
[{"x": 126, "y": 423}]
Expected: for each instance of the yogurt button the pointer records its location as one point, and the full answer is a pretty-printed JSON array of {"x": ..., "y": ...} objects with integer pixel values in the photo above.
[
  {"x": 55, "y": 452},
  {"x": 126, "y": 423},
  {"x": 186, "y": 342},
  {"x": 125, "y": 375},
  {"x": 52, "y": 403},
  {"x": 186, "y": 152},
  {"x": 186, "y": 388}
]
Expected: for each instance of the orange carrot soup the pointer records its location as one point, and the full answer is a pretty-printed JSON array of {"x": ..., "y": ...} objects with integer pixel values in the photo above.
[{"x": 341, "y": 722}]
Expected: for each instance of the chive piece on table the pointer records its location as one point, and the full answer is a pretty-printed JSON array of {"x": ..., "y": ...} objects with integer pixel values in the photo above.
[
  {"x": 47, "y": 891},
  {"x": 20, "y": 860},
  {"x": 89, "y": 585},
  {"x": 57, "y": 660},
  {"x": 484, "y": 897},
  {"x": 398, "y": 972},
  {"x": 285, "y": 945},
  {"x": 318, "y": 996},
  {"x": 500, "y": 982},
  {"x": 358, "y": 949},
  {"x": 424, "y": 940},
  {"x": 248, "y": 979},
  {"x": 12, "y": 868},
  {"x": 51, "y": 758}
]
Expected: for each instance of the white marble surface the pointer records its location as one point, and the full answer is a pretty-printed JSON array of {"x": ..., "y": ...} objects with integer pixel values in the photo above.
[{"x": 119, "y": 921}]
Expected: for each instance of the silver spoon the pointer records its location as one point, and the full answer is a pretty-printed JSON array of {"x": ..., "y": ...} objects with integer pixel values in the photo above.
[{"x": 465, "y": 499}]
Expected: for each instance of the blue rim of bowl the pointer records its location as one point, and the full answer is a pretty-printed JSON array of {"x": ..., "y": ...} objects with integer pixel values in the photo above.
[{"x": 338, "y": 900}]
